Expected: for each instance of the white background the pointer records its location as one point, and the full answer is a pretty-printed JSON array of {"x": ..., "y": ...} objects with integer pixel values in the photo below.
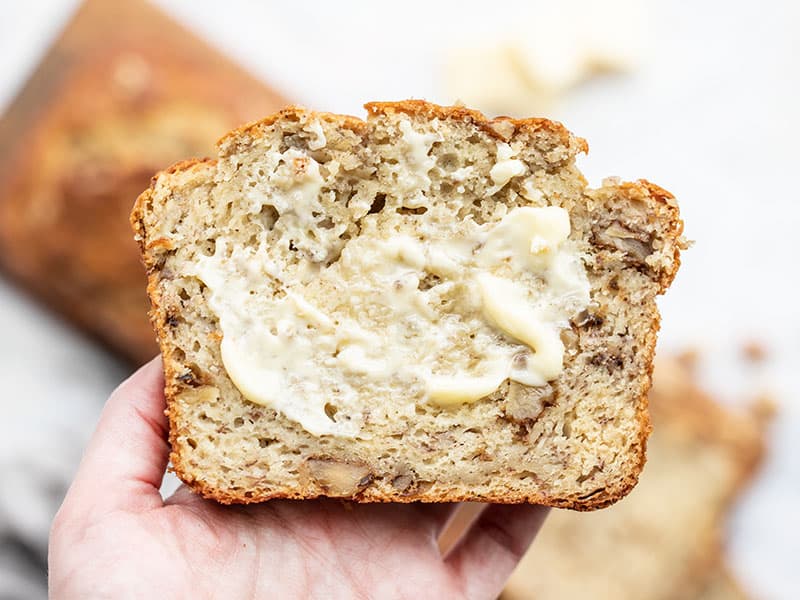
[{"x": 711, "y": 114}]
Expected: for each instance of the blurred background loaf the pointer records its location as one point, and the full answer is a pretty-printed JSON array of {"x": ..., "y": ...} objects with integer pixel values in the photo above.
[
  {"x": 700, "y": 96},
  {"x": 122, "y": 93}
]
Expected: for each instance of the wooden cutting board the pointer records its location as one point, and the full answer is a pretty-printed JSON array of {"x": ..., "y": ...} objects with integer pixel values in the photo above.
[{"x": 123, "y": 92}]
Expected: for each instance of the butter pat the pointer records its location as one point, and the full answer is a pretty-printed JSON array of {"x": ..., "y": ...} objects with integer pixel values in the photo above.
[
  {"x": 318, "y": 141},
  {"x": 527, "y": 236},
  {"x": 417, "y": 146},
  {"x": 506, "y": 307},
  {"x": 458, "y": 389},
  {"x": 505, "y": 168}
]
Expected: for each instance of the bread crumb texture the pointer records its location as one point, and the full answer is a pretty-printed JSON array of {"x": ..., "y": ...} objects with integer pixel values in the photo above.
[{"x": 423, "y": 305}]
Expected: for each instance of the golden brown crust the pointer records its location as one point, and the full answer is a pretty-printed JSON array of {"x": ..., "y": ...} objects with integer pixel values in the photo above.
[
  {"x": 460, "y": 113},
  {"x": 420, "y": 108},
  {"x": 185, "y": 165},
  {"x": 255, "y": 128},
  {"x": 642, "y": 191}
]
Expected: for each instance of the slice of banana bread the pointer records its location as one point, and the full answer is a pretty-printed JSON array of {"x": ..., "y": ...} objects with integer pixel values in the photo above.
[{"x": 426, "y": 305}]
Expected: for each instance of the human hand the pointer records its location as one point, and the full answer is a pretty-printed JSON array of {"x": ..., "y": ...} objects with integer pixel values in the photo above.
[{"x": 115, "y": 537}]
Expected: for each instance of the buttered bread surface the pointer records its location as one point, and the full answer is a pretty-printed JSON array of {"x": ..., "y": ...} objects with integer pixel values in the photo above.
[{"x": 426, "y": 305}]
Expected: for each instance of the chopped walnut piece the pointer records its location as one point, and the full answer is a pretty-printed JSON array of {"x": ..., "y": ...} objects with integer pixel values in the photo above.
[{"x": 339, "y": 478}]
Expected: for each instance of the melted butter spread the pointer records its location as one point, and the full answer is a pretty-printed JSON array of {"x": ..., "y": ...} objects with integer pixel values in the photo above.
[
  {"x": 445, "y": 315},
  {"x": 505, "y": 168}
]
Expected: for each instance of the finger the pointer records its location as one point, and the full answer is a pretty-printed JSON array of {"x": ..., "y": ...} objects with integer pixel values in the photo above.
[
  {"x": 184, "y": 496},
  {"x": 493, "y": 546},
  {"x": 125, "y": 461},
  {"x": 458, "y": 524},
  {"x": 427, "y": 519},
  {"x": 434, "y": 516}
]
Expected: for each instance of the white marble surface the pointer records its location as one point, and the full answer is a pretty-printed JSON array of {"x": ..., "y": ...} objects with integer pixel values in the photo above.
[{"x": 711, "y": 115}]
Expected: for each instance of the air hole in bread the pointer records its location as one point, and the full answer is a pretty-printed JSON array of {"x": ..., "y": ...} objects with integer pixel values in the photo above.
[
  {"x": 449, "y": 161},
  {"x": 420, "y": 210},
  {"x": 378, "y": 204},
  {"x": 208, "y": 247},
  {"x": 268, "y": 216},
  {"x": 428, "y": 281}
]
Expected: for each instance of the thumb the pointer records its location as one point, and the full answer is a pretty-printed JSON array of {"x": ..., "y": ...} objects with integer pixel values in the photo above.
[{"x": 124, "y": 463}]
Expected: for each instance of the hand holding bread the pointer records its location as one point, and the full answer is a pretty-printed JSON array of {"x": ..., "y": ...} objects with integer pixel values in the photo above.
[
  {"x": 426, "y": 305},
  {"x": 114, "y": 532}
]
